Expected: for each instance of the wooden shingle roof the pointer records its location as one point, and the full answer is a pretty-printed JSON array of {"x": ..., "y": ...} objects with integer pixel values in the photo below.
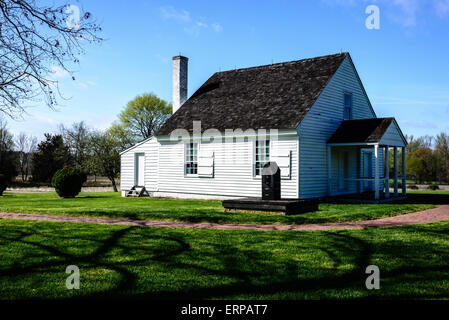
[
  {"x": 275, "y": 96},
  {"x": 361, "y": 131}
]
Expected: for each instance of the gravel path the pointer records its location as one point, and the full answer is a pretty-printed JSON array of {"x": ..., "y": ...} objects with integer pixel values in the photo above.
[{"x": 428, "y": 216}]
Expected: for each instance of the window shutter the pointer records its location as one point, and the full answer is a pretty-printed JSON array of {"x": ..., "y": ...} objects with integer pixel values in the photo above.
[
  {"x": 206, "y": 164},
  {"x": 283, "y": 160}
]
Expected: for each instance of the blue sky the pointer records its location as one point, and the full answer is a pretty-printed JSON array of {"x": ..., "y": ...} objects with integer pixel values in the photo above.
[{"x": 404, "y": 65}]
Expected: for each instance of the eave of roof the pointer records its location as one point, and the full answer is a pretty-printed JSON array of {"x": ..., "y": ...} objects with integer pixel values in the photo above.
[
  {"x": 136, "y": 145},
  {"x": 361, "y": 131}
]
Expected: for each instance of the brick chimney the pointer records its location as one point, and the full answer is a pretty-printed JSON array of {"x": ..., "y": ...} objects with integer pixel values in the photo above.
[{"x": 179, "y": 81}]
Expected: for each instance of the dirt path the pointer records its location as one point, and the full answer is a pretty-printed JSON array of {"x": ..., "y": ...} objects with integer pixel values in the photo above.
[{"x": 428, "y": 216}]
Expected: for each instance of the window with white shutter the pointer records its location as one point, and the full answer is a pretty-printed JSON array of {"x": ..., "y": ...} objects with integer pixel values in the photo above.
[
  {"x": 283, "y": 160},
  {"x": 206, "y": 164}
]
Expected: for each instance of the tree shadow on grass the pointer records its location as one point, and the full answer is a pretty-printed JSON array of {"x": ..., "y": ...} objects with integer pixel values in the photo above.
[
  {"x": 89, "y": 197},
  {"x": 426, "y": 198},
  {"x": 242, "y": 267},
  {"x": 97, "y": 259},
  {"x": 251, "y": 273}
]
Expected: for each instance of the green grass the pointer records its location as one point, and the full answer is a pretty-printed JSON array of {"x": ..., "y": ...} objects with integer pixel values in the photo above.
[
  {"x": 163, "y": 263},
  {"x": 109, "y": 204}
]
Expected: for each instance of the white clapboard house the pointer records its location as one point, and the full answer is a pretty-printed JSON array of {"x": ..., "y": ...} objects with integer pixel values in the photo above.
[{"x": 312, "y": 117}]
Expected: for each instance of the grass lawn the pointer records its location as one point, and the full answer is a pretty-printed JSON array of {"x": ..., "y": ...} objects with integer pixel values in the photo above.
[
  {"x": 163, "y": 263},
  {"x": 112, "y": 205}
]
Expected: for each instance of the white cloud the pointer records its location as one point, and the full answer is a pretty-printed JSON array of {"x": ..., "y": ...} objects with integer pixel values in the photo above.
[
  {"x": 441, "y": 7},
  {"x": 87, "y": 84},
  {"x": 192, "y": 26},
  {"x": 193, "y": 30},
  {"x": 169, "y": 12},
  {"x": 201, "y": 24},
  {"x": 404, "y": 12},
  {"x": 217, "y": 27},
  {"x": 59, "y": 72},
  {"x": 83, "y": 85},
  {"x": 408, "y": 12},
  {"x": 45, "y": 120},
  {"x": 101, "y": 123}
]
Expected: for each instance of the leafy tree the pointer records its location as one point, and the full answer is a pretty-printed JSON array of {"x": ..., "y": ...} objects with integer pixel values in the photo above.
[
  {"x": 442, "y": 154},
  {"x": 422, "y": 165},
  {"x": 415, "y": 168},
  {"x": 37, "y": 39},
  {"x": 76, "y": 138},
  {"x": 144, "y": 115},
  {"x": 106, "y": 155},
  {"x": 3, "y": 184},
  {"x": 25, "y": 147},
  {"x": 123, "y": 135},
  {"x": 7, "y": 155},
  {"x": 421, "y": 142},
  {"x": 51, "y": 155}
]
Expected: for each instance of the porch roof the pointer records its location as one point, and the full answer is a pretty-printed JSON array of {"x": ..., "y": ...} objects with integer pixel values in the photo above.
[{"x": 364, "y": 131}]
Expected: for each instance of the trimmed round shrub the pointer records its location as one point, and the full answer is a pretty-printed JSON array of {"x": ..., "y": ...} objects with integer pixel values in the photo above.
[
  {"x": 412, "y": 187},
  {"x": 433, "y": 186},
  {"x": 3, "y": 183},
  {"x": 68, "y": 182}
]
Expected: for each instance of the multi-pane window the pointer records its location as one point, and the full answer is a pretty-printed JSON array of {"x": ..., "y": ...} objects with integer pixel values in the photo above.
[
  {"x": 348, "y": 107},
  {"x": 262, "y": 155},
  {"x": 191, "y": 161}
]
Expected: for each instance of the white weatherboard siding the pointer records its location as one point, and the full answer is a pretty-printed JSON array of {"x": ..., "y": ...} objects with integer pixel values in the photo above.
[
  {"x": 232, "y": 164},
  {"x": 127, "y": 171},
  {"x": 392, "y": 136},
  {"x": 318, "y": 125}
]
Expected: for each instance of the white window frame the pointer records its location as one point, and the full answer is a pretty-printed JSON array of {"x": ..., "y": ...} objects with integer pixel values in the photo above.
[
  {"x": 186, "y": 160},
  {"x": 255, "y": 148}
]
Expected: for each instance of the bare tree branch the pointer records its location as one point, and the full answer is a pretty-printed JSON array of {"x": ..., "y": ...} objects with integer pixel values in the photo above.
[{"x": 35, "y": 39}]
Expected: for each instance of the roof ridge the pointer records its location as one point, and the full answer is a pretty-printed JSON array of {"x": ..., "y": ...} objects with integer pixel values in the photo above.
[
  {"x": 283, "y": 63},
  {"x": 366, "y": 119}
]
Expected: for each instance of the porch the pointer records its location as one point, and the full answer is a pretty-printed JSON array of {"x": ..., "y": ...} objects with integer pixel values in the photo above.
[{"x": 359, "y": 161}]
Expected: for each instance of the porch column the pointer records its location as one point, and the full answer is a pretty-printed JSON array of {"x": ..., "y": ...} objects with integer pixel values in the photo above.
[
  {"x": 395, "y": 171},
  {"x": 329, "y": 171},
  {"x": 376, "y": 175},
  {"x": 404, "y": 178},
  {"x": 359, "y": 170},
  {"x": 387, "y": 172}
]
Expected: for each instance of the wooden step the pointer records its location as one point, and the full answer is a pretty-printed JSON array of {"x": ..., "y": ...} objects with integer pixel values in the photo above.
[{"x": 137, "y": 191}]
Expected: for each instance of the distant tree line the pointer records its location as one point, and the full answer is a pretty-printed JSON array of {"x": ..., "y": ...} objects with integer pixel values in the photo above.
[
  {"x": 93, "y": 152},
  {"x": 428, "y": 158}
]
